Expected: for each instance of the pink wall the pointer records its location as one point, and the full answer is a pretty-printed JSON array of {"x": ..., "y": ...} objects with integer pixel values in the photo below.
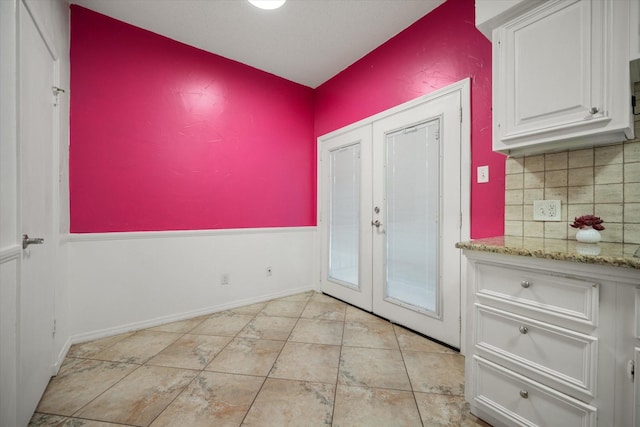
[
  {"x": 168, "y": 137},
  {"x": 439, "y": 49}
]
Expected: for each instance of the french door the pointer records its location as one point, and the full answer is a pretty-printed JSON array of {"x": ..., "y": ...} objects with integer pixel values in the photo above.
[{"x": 390, "y": 215}]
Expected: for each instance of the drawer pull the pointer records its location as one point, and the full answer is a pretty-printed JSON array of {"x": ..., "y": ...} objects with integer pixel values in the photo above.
[
  {"x": 525, "y": 284},
  {"x": 523, "y": 329},
  {"x": 524, "y": 394}
]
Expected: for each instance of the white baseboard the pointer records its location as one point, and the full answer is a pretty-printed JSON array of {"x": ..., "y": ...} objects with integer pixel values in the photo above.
[{"x": 121, "y": 329}]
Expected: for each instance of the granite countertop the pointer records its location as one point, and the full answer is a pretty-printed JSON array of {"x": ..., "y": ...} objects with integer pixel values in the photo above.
[{"x": 612, "y": 254}]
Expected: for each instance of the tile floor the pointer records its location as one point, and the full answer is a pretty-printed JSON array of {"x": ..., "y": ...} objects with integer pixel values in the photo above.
[{"x": 303, "y": 360}]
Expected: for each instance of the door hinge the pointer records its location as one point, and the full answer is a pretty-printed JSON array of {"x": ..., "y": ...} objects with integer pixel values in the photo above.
[
  {"x": 53, "y": 332},
  {"x": 460, "y": 114},
  {"x": 631, "y": 370}
]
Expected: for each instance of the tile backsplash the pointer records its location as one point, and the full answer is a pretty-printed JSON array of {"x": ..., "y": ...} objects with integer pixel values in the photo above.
[{"x": 604, "y": 181}]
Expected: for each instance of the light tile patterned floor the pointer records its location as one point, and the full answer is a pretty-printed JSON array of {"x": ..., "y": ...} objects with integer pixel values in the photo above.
[{"x": 303, "y": 360}]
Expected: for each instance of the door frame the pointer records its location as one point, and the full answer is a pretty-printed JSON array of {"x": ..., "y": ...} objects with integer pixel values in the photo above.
[{"x": 464, "y": 88}]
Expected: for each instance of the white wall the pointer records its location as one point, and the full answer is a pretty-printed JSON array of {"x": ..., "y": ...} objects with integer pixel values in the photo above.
[{"x": 127, "y": 281}]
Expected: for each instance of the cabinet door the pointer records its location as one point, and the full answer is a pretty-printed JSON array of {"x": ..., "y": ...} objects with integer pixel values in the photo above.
[{"x": 551, "y": 69}]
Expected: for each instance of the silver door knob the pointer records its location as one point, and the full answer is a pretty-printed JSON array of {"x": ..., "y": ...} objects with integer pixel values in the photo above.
[
  {"x": 26, "y": 241},
  {"x": 376, "y": 223},
  {"x": 524, "y": 394},
  {"x": 525, "y": 284},
  {"x": 593, "y": 110},
  {"x": 523, "y": 329}
]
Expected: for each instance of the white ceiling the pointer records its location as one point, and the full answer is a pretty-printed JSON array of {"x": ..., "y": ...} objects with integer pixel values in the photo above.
[{"x": 305, "y": 41}]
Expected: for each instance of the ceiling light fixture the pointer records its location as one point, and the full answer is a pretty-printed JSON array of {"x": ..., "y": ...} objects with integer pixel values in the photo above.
[{"x": 267, "y": 4}]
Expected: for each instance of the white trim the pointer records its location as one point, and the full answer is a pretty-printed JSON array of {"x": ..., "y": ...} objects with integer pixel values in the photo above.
[
  {"x": 136, "y": 326},
  {"x": 465, "y": 201},
  {"x": 97, "y": 237},
  {"x": 10, "y": 253},
  {"x": 57, "y": 363},
  {"x": 463, "y": 87}
]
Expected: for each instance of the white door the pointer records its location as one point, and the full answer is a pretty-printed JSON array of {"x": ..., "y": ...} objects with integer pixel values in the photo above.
[
  {"x": 391, "y": 213},
  {"x": 346, "y": 202},
  {"x": 416, "y": 182},
  {"x": 37, "y": 73}
]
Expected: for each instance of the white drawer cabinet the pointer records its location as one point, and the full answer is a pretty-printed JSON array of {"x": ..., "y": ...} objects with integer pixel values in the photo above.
[
  {"x": 525, "y": 402},
  {"x": 561, "y": 77},
  {"x": 549, "y": 342},
  {"x": 556, "y": 298},
  {"x": 557, "y": 356}
]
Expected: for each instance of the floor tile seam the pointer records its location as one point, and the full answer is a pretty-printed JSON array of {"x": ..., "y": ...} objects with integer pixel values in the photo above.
[
  {"x": 233, "y": 338},
  {"x": 182, "y": 389},
  {"x": 66, "y": 417},
  {"x": 107, "y": 361},
  {"x": 71, "y": 417},
  {"x": 376, "y": 387},
  {"x": 439, "y": 394},
  {"x": 253, "y": 401},
  {"x": 371, "y": 348},
  {"x": 301, "y": 380},
  {"x": 77, "y": 412},
  {"x": 406, "y": 371},
  {"x": 114, "y": 343},
  {"x": 335, "y": 388},
  {"x": 274, "y": 364},
  {"x": 234, "y": 374},
  {"x": 285, "y": 343},
  {"x": 174, "y": 399},
  {"x": 442, "y": 353}
]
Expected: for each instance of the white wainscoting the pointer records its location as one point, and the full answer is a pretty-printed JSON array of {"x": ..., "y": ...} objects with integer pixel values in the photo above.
[{"x": 120, "y": 282}]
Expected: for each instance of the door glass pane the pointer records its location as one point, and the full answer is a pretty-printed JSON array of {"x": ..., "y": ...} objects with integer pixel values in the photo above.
[
  {"x": 411, "y": 191},
  {"x": 344, "y": 215}
]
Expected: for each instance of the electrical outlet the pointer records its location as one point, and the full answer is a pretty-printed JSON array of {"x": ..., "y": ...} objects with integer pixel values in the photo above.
[
  {"x": 547, "y": 210},
  {"x": 224, "y": 279},
  {"x": 269, "y": 271}
]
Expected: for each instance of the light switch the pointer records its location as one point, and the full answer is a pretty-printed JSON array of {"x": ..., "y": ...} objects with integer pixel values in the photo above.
[{"x": 483, "y": 174}]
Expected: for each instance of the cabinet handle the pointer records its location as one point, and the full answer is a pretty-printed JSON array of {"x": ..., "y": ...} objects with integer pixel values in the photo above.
[
  {"x": 524, "y": 394},
  {"x": 525, "y": 284},
  {"x": 593, "y": 110},
  {"x": 523, "y": 329}
]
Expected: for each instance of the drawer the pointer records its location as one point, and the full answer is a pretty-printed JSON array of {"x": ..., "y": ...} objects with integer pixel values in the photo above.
[
  {"x": 539, "y": 295},
  {"x": 557, "y": 357},
  {"x": 520, "y": 401}
]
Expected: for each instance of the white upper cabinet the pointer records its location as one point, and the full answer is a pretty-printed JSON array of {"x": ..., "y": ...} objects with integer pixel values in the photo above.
[{"x": 561, "y": 77}]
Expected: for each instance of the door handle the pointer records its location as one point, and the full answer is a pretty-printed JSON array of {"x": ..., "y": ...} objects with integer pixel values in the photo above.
[
  {"x": 376, "y": 223},
  {"x": 26, "y": 241}
]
